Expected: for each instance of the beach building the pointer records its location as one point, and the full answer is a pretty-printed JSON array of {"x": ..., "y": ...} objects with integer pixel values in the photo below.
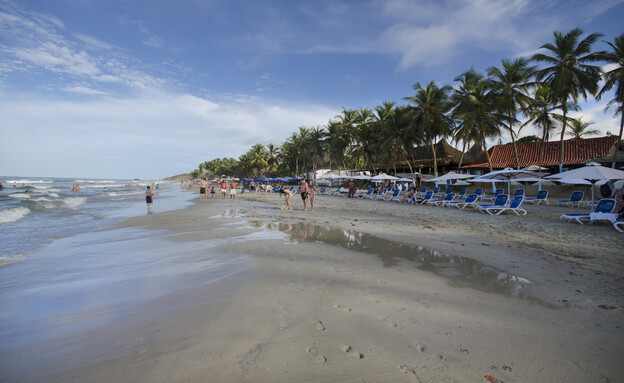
[
  {"x": 447, "y": 157},
  {"x": 576, "y": 152}
]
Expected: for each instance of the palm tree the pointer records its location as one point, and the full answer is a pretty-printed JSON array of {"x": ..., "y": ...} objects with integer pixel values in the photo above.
[
  {"x": 615, "y": 78},
  {"x": 511, "y": 85},
  {"x": 568, "y": 72},
  {"x": 257, "y": 159},
  {"x": 579, "y": 128},
  {"x": 430, "y": 114},
  {"x": 396, "y": 138},
  {"x": 541, "y": 113},
  {"x": 272, "y": 158},
  {"x": 478, "y": 107}
]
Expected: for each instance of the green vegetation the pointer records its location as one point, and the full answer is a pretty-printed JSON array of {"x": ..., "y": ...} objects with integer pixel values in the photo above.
[{"x": 478, "y": 109}]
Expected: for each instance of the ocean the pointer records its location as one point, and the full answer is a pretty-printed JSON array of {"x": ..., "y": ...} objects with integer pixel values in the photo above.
[{"x": 34, "y": 211}]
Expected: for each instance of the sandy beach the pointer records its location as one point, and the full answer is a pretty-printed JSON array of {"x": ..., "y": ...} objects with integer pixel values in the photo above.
[{"x": 356, "y": 291}]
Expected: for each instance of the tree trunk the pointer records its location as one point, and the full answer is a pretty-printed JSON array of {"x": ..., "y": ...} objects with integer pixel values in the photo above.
[
  {"x": 619, "y": 142},
  {"x": 513, "y": 141},
  {"x": 541, "y": 155},
  {"x": 563, "y": 129},
  {"x": 487, "y": 155},
  {"x": 435, "y": 160},
  {"x": 461, "y": 159}
]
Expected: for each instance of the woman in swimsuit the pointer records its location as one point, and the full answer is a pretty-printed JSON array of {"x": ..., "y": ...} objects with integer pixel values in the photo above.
[
  {"x": 287, "y": 196},
  {"x": 148, "y": 199}
]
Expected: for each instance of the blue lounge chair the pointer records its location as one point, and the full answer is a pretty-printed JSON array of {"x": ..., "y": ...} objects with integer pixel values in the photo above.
[
  {"x": 469, "y": 201},
  {"x": 426, "y": 198},
  {"x": 442, "y": 202},
  {"x": 513, "y": 207},
  {"x": 389, "y": 195},
  {"x": 518, "y": 192},
  {"x": 500, "y": 201},
  {"x": 542, "y": 196},
  {"x": 368, "y": 193},
  {"x": 575, "y": 197},
  {"x": 619, "y": 226},
  {"x": 604, "y": 207},
  {"x": 493, "y": 197},
  {"x": 462, "y": 193},
  {"x": 479, "y": 192}
]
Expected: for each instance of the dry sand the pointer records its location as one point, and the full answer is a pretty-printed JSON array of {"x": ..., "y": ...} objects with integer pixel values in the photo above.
[
  {"x": 370, "y": 291},
  {"x": 523, "y": 306}
]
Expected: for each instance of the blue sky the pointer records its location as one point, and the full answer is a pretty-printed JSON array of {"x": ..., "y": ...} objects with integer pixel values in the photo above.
[{"x": 151, "y": 88}]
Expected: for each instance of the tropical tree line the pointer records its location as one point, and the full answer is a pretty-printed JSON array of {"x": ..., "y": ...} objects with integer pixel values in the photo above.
[{"x": 539, "y": 91}]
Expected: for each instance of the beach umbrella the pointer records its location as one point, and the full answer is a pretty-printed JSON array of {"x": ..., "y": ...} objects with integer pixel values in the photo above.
[
  {"x": 507, "y": 174},
  {"x": 361, "y": 177},
  {"x": 384, "y": 177},
  {"x": 592, "y": 172},
  {"x": 328, "y": 176},
  {"x": 450, "y": 176}
]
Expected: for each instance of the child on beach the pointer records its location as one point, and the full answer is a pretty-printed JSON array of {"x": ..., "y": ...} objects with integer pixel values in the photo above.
[
  {"x": 287, "y": 196},
  {"x": 212, "y": 192}
]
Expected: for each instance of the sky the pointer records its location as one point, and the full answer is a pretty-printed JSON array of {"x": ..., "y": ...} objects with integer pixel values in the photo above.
[{"x": 151, "y": 88}]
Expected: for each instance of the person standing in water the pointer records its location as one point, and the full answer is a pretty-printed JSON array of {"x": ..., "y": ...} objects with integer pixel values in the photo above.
[
  {"x": 148, "y": 199},
  {"x": 203, "y": 190},
  {"x": 304, "y": 194}
]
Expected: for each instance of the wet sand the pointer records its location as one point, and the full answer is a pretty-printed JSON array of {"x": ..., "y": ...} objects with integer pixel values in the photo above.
[{"x": 356, "y": 291}]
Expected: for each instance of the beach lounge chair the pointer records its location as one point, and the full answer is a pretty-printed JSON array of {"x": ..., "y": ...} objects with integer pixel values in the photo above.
[
  {"x": 442, "y": 195},
  {"x": 619, "y": 226},
  {"x": 493, "y": 197},
  {"x": 422, "y": 192},
  {"x": 368, "y": 193},
  {"x": 603, "y": 210},
  {"x": 542, "y": 196},
  {"x": 426, "y": 198},
  {"x": 447, "y": 198},
  {"x": 513, "y": 207},
  {"x": 462, "y": 193},
  {"x": 518, "y": 192},
  {"x": 389, "y": 196},
  {"x": 469, "y": 201},
  {"x": 575, "y": 197},
  {"x": 479, "y": 192},
  {"x": 500, "y": 201}
]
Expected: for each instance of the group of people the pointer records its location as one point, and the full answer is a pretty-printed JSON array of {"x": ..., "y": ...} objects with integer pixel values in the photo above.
[
  {"x": 306, "y": 191},
  {"x": 203, "y": 189}
]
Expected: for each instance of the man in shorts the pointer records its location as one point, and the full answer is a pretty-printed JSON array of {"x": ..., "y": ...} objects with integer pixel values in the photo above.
[
  {"x": 304, "y": 194},
  {"x": 233, "y": 187},
  {"x": 203, "y": 190}
]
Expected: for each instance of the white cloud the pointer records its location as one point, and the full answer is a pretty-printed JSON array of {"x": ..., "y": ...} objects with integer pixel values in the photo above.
[{"x": 175, "y": 131}]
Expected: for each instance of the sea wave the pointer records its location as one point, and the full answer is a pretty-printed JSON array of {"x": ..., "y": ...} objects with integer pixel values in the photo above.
[
  {"x": 74, "y": 202},
  {"x": 12, "y": 215},
  {"x": 19, "y": 195}
]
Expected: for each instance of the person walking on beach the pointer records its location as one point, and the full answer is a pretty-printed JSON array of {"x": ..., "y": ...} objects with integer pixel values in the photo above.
[
  {"x": 203, "y": 190},
  {"x": 287, "y": 196},
  {"x": 312, "y": 193},
  {"x": 233, "y": 186},
  {"x": 351, "y": 193},
  {"x": 223, "y": 188},
  {"x": 304, "y": 194},
  {"x": 148, "y": 199}
]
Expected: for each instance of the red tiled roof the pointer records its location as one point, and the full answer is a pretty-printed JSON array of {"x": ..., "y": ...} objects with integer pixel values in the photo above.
[{"x": 575, "y": 152}]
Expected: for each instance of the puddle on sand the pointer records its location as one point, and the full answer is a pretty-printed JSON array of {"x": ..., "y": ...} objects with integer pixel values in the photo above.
[{"x": 459, "y": 271}]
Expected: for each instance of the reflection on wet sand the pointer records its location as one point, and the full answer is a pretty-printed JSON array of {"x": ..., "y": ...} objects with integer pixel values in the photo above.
[{"x": 460, "y": 271}]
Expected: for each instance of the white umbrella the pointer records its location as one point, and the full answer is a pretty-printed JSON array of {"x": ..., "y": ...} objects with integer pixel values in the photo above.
[
  {"x": 508, "y": 174},
  {"x": 384, "y": 177},
  {"x": 451, "y": 176},
  {"x": 361, "y": 177},
  {"x": 328, "y": 176},
  {"x": 456, "y": 183},
  {"x": 592, "y": 172}
]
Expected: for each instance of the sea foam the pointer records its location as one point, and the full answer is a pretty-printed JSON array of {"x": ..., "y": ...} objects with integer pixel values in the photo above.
[
  {"x": 74, "y": 202},
  {"x": 12, "y": 215}
]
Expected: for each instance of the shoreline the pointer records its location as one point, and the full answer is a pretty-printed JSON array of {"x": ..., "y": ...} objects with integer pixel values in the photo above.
[{"x": 315, "y": 310}]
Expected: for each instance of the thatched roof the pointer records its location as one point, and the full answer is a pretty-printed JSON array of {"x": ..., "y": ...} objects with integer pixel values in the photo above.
[{"x": 445, "y": 154}]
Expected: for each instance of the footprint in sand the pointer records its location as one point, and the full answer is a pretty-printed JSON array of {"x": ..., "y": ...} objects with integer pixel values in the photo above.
[
  {"x": 341, "y": 307},
  {"x": 313, "y": 351},
  {"x": 345, "y": 348},
  {"x": 318, "y": 324}
]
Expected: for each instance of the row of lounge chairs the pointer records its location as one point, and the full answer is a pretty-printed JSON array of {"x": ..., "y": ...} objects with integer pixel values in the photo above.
[{"x": 604, "y": 209}]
